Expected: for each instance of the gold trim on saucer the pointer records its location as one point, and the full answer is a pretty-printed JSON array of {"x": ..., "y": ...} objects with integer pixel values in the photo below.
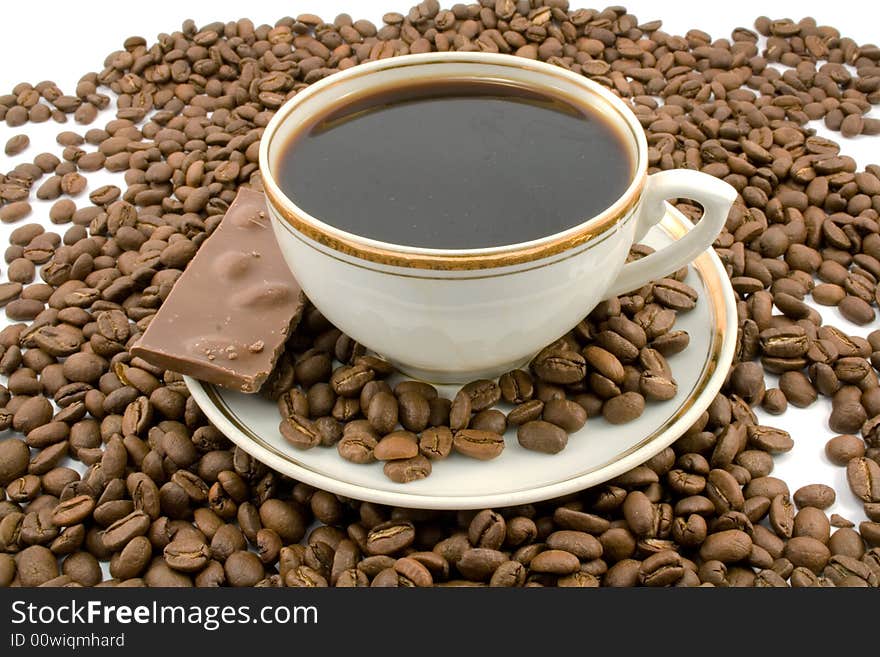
[
  {"x": 719, "y": 355},
  {"x": 712, "y": 363}
]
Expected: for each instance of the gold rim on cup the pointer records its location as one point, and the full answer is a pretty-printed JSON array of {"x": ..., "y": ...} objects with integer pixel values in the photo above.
[{"x": 466, "y": 259}]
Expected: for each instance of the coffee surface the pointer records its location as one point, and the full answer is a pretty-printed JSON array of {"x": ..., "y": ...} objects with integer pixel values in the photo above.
[{"x": 456, "y": 165}]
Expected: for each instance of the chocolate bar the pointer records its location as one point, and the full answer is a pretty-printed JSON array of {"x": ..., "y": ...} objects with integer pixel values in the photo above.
[{"x": 231, "y": 311}]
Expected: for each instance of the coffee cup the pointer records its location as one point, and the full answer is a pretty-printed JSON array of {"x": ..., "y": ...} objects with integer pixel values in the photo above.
[{"x": 455, "y": 315}]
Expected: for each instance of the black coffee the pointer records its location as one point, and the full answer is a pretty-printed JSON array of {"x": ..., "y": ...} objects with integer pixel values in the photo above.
[{"x": 456, "y": 165}]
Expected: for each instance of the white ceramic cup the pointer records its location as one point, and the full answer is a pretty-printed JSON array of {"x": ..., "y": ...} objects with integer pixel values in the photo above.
[{"x": 450, "y": 316}]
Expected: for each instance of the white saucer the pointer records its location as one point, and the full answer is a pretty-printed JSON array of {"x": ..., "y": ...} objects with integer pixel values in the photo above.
[{"x": 597, "y": 453}]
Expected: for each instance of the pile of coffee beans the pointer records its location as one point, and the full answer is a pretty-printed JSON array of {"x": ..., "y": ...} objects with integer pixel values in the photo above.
[
  {"x": 168, "y": 501},
  {"x": 608, "y": 365}
]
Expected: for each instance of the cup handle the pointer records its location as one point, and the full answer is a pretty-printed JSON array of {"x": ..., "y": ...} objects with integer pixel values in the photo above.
[{"x": 716, "y": 197}]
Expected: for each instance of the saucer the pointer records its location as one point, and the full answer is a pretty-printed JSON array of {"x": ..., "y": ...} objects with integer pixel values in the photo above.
[{"x": 598, "y": 452}]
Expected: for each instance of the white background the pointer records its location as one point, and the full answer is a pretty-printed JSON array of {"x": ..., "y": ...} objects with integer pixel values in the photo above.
[{"x": 63, "y": 40}]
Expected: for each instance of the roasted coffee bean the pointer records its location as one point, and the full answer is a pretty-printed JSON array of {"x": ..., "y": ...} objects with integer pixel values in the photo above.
[
  {"x": 357, "y": 447},
  {"x": 243, "y": 568},
  {"x": 623, "y": 408},
  {"x": 661, "y": 569},
  {"x": 812, "y": 522},
  {"x": 560, "y": 367},
  {"x": 370, "y": 389},
  {"x": 9, "y": 292},
  {"x": 483, "y": 394},
  {"x": 21, "y": 270},
  {"x": 840, "y": 450},
  {"x": 605, "y": 363},
  {"x": 487, "y": 529},
  {"x": 24, "y": 488},
  {"x": 819, "y": 496},
  {"x": 283, "y": 518},
  {"x": 187, "y": 554},
  {"x": 426, "y": 390},
  {"x": 478, "y": 564},
  {"x": 784, "y": 342},
  {"x": 349, "y": 381},
  {"x": 782, "y": 516},
  {"x": 413, "y": 411},
  {"x": 674, "y": 294},
  {"x": 727, "y": 546},
  {"x": 584, "y": 546},
  {"x": 797, "y": 389},
  {"x": 871, "y": 402},
  {"x": 640, "y": 475},
  {"x": 36, "y": 565},
  {"x": 490, "y": 419},
  {"x": 293, "y": 402},
  {"x": 842, "y": 567},
  {"x": 326, "y": 507},
  {"x": 382, "y": 412},
  {"x": 828, "y": 294},
  {"x": 657, "y": 387},
  {"x": 321, "y": 400},
  {"x": 14, "y": 211},
  {"x": 397, "y": 445},
  {"x": 516, "y": 386},
  {"x": 757, "y": 463},
  {"x": 566, "y": 414},
  {"x": 769, "y": 439},
  {"x": 851, "y": 369},
  {"x": 724, "y": 491},
  {"x": 541, "y": 436},
  {"x": 460, "y": 411},
  {"x": 33, "y": 413},
  {"x": 300, "y": 432},
  {"x": 123, "y": 530},
  {"x": 730, "y": 443},
  {"x": 14, "y": 458},
  {"x": 555, "y": 562},
  {"x": 580, "y": 520},
  {"x": 509, "y": 574},
  {"x": 390, "y": 537},
  {"x": 863, "y": 475},
  {"x": 870, "y": 532},
  {"x": 312, "y": 367},
  {"x": 404, "y": 471},
  {"x": 481, "y": 445},
  {"x": 690, "y": 531},
  {"x": 16, "y": 144},
  {"x": 329, "y": 429},
  {"x": 807, "y": 552},
  {"x": 847, "y": 413},
  {"x": 848, "y": 542},
  {"x": 439, "y": 415},
  {"x": 747, "y": 381},
  {"x": 73, "y": 510},
  {"x": 856, "y": 310},
  {"x": 526, "y": 412},
  {"x": 520, "y": 530},
  {"x": 436, "y": 442},
  {"x": 624, "y": 573},
  {"x": 640, "y": 515},
  {"x": 671, "y": 343},
  {"x": 132, "y": 560},
  {"x": 413, "y": 573},
  {"x": 37, "y": 526}
]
